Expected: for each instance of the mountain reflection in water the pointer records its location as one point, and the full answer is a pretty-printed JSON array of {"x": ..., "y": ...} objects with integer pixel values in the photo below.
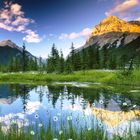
[{"x": 48, "y": 100}]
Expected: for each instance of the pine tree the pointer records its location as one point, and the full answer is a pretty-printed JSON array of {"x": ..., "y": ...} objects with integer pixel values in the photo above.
[
  {"x": 35, "y": 65},
  {"x": 97, "y": 65},
  {"x": 40, "y": 64},
  {"x": 110, "y": 63},
  {"x": 78, "y": 63},
  {"x": 72, "y": 56},
  {"x": 68, "y": 66},
  {"x": 54, "y": 53},
  {"x": 105, "y": 56},
  {"x": 10, "y": 64},
  {"x": 123, "y": 59},
  {"x": 24, "y": 59},
  {"x": 114, "y": 61},
  {"x": 16, "y": 64},
  {"x": 32, "y": 64},
  {"x": 84, "y": 60},
  {"x": 91, "y": 57},
  {"x": 58, "y": 67},
  {"x": 50, "y": 67},
  {"x": 62, "y": 62}
]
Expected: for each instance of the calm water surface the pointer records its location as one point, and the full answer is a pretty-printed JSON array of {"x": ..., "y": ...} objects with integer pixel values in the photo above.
[{"x": 48, "y": 100}]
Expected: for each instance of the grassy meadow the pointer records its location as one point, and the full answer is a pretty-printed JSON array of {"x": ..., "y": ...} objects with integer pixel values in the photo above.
[{"x": 100, "y": 76}]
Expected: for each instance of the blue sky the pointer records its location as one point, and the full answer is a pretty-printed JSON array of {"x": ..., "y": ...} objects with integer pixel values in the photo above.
[{"x": 40, "y": 23}]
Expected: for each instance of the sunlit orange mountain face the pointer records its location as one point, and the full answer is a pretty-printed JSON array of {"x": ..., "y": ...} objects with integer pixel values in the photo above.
[{"x": 119, "y": 36}]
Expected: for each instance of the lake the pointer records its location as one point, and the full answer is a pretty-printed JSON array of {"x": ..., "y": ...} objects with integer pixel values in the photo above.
[{"x": 114, "y": 111}]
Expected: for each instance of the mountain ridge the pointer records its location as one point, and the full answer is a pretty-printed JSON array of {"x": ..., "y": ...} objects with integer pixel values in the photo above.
[
  {"x": 107, "y": 35},
  {"x": 9, "y": 43}
]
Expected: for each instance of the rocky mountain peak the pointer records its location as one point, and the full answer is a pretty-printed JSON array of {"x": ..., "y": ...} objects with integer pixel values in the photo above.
[
  {"x": 114, "y": 24},
  {"x": 10, "y": 44}
]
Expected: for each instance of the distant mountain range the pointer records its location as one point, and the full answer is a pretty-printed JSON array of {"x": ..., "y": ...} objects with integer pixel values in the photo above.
[
  {"x": 119, "y": 36},
  {"x": 5, "y": 49}
]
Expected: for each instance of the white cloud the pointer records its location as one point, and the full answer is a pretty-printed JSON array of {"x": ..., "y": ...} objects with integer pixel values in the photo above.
[
  {"x": 15, "y": 9},
  {"x": 53, "y": 35},
  {"x": 48, "y": 39},
  {"x": 6, "y": 27},
  {"x": 74, "y": 35},
  {"x": 12, "y": 19},
  {"x": 21, "y": 21},
  {"x": 20, "y": 28},
  {"x": 124, "y": 9},
  {"x": 32, "y": 37},
  {"x": 85, "y": 33},
  {"x": 63, "y": 36}
]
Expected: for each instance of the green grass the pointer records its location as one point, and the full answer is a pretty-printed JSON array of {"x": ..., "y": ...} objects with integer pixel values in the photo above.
[{"x": 113, "y": 77}]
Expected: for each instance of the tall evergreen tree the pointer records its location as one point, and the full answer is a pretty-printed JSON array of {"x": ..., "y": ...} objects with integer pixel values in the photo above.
[
  {"x": 58, "y": 67},
  {"x": 62, "y": 62},
  {"x": 24, "y": 59},
  {"x": 105, "y": 56},
  {"x": 123, "y": 59},
  {"x": 72, "y": 55},
  {"x": 98, "y": 63},
  {"x": 16, "y": 64},
  {"x": 32, "y": 64},
  {"x": 68, "y": 66},
  {"x": 91, "y": 57},
  {"x": 84, "y": 59},
  {"x": 11, "y": 61},
  {"x": 40, "y": 64},
  {"x": 35, "y": 65},
  {"x": 54, "y": 53},
  {"x": 50, "y": 66},
  {"x": 78, "y": 62},
  {"x": 114, "y": 61},
  {"x": 110, "y": 63}
]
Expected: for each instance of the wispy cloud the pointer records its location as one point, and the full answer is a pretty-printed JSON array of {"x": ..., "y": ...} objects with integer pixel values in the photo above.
[
  {"x": 85, "y": 33},
  {"x": 63, "y": 36},
  {"x": 32, "y": 37},
  {"x": 12, "y": 19},
  {"x": 124, "y": 9},
  {"x": 53, "y": 35}
]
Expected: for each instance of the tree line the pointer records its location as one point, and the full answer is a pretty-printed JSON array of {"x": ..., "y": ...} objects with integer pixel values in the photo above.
[{"x": 86, "y": 59}]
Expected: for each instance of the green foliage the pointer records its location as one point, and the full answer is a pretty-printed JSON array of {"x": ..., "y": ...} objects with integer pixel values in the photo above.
[
  {"x": 123, "y": 60},
  {"x": 62, "y": 62},
  {"x": 85, "y": 59},
  {"x": 98, "y": 59},
  {"x": 91, "y": 57},
  {"x": 16, "y": 65},
  {"x": 72, "y": 57},
  {"x": 54, "y": 55},
  {"x": 35, "y": 66},
  {"x": 24, "y": 59},
  {"x": 10, "y": 64},
  {"x": 40, "y": 64},
  {"x": 105, "y": 57},
  {"x": 78, "y": 62},
  {"x": 68, "y": 66},
  {"x": 50, "y": 66}
]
